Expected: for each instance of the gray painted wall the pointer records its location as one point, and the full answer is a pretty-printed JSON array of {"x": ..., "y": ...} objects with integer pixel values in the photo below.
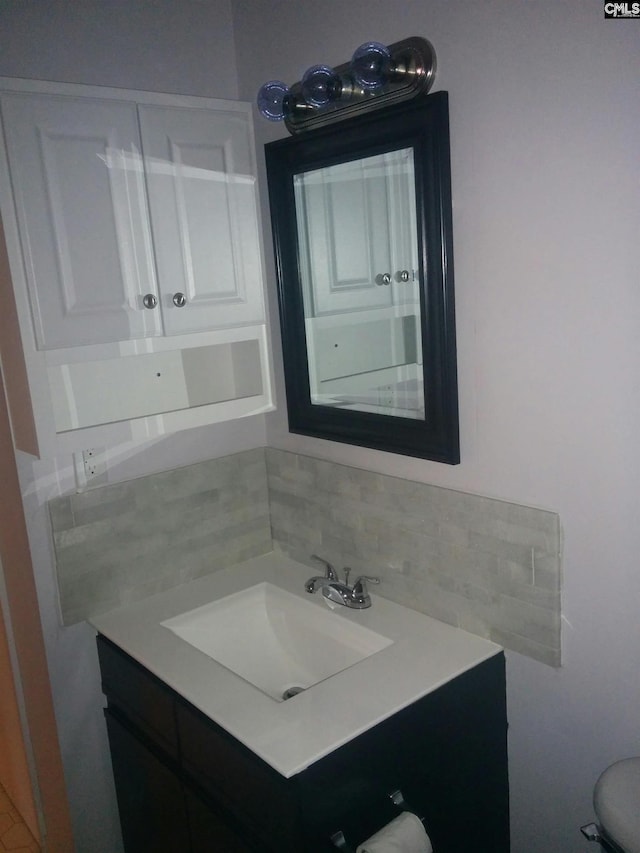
[
  {"x": 181, "y": 46},
  {"x": 544, "y": 127},
  {"x": 544, "y": 122}
]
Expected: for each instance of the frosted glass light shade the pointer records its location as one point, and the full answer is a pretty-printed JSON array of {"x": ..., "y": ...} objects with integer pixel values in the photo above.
[
  {"x": 273, "y": 99},
  {"x": 320, "y": 85},
  {"x": 370, "y": 65}
]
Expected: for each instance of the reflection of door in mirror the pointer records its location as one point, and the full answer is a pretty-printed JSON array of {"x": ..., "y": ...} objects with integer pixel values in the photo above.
[{"x": 358, "y": 245}]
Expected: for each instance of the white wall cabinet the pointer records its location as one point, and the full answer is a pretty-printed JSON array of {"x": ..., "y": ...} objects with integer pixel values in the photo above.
[
  {"x": 202, "y": 199},
  {"x": 134, "y": 237}
]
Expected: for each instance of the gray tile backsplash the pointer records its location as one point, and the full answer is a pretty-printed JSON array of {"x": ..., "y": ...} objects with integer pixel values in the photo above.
[
  {"x": 122, "y": 542},
  {"x": 485, "y": 565},
  {"x": 490, "y": 567}
]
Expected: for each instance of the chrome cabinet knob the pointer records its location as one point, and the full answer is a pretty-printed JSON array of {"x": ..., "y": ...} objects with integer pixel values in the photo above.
[
  {"x": 385, "y": 278},
  {"x": 404, "y": 275},
  {"x": 150, "y": 300},
  {"x": 179, "y": 300}
]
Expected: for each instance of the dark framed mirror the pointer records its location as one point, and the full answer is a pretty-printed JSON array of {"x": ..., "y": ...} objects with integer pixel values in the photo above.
[{"x": 361, "y": 216}]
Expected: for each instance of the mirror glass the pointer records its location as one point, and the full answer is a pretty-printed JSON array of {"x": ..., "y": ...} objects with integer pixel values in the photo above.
[
  {"x": 358, "y": 244},
  {"x": 361, "y": 214}
]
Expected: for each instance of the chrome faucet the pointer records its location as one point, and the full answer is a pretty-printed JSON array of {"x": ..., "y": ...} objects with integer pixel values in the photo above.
[{"x": 356, "y": 597}]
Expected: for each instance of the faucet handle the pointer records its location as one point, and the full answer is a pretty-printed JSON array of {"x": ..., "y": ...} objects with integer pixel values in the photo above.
[
  {"x": 360, "y": 586},
  {"x": 331, "y": 573}
]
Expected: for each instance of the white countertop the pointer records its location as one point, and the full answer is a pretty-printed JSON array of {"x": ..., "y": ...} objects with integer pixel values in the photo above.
[{"x": 291, "y": 735}]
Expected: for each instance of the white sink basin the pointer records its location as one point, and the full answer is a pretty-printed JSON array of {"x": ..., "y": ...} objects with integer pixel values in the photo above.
[{"x": 275, "y": 640}]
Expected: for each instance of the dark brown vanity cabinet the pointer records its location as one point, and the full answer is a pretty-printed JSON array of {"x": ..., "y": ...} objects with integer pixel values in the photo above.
[{"x": 184, "y": 785}]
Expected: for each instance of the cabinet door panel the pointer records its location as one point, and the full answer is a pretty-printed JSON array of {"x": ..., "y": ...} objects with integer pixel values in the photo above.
[
  {"x": 203, "y": 203},
  {"x": 80, "y": 198},
  {"x": 344, "y": 233},
  {"x": 140, "y": 696},
  {"x": 245, "y": 786},
  {"x": 150, "y": 797},
  {"x": 209, "y": 832}
]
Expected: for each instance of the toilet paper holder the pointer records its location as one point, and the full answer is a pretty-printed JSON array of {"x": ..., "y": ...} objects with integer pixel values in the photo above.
[{"x": 397, "y": 798}]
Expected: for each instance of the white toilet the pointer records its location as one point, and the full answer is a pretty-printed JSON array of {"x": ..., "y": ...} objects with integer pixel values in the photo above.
[{"x": 616, "y": 800}]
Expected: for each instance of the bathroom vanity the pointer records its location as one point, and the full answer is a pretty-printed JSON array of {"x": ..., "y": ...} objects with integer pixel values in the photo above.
[{"x": 203, "y": 760}]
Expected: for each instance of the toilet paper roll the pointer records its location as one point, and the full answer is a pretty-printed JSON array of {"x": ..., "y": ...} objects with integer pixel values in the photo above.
[{"x": 405, "y": 834}]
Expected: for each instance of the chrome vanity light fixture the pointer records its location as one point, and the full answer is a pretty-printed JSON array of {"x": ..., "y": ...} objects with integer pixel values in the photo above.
[{"x": 376, "y": 76}]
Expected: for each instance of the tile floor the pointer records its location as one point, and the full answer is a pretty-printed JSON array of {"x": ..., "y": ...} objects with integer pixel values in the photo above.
[{"x": 14, "y": 835}]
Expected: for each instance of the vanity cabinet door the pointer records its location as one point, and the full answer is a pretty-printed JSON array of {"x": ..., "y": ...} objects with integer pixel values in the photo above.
[
  {"x": 210, "y": 832},
  {"x": 151, "y": 803},
  {"x": 138, "y": 695},
  {"x": 200, "y": 170},
  {"x": 78, "y": 186},
  {"x": 245, "y": 787}
]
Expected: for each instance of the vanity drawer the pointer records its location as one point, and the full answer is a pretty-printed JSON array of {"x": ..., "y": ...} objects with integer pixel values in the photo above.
[
  {"x": 137, "y": 694},
  {"x": 237, "y": 779}
]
